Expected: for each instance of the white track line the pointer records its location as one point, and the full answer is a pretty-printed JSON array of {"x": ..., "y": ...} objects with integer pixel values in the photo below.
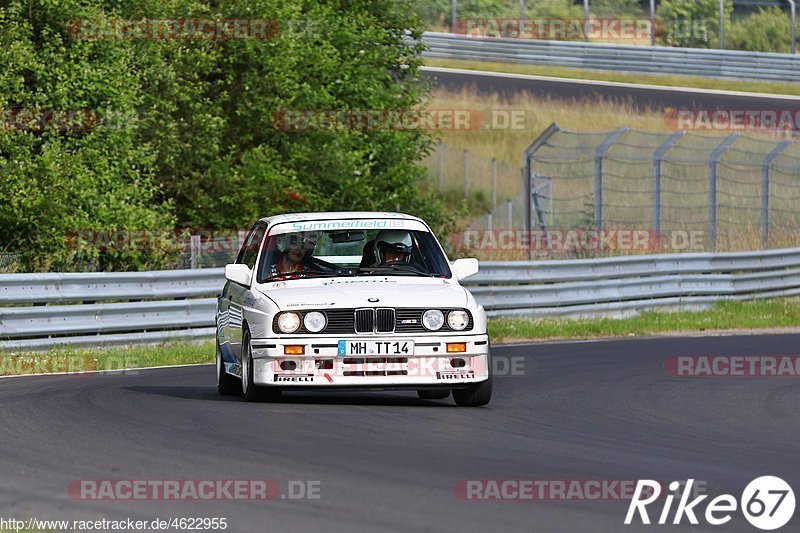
[{"x": 763, "y": 96}]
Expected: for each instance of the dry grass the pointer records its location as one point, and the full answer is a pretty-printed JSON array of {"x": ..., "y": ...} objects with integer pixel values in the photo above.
[{"x": 739, "y": 188}]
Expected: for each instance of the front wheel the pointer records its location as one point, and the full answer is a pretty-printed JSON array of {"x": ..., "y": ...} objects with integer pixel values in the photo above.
[
  {"x": 251, "y": 391},
  {"x": 475, "y": 395}
]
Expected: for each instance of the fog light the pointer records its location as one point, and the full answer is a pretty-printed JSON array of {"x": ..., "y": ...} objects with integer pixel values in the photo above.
[
  {"x": 456, "y": 347},
  {"x": 325, "y": 364},
  {"x": 457, "y": 363},
  {"x": 294, "y": 349},
  {"x": 288, "y": 365}
]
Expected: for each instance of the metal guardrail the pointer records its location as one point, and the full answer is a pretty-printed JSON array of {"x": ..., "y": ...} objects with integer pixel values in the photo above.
[
  {"x": 725, "y": 64},
  {"x": 164, "y": 305}
]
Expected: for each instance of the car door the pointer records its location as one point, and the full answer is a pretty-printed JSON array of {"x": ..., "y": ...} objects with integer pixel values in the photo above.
[{"x": 238, "y": 293}]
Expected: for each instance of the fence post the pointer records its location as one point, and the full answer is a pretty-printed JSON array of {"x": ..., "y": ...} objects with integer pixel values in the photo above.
[
  {"x": 440, "y": 164},
  {"x": 510, "y": 205},
  {"x": 531, "y": 200},
  {"x": 599, "y": 154},
  {"x": 194, "y": 245},
  {"x": 494, "y": 182},
  {"x": 716, "y": 154},
  {"x": 453, "y": 16},
  {"x": 658, "y": 157},
  {"x": 489, "y": 220},
  {"x": 466, "y": 173},
  {"x": 765, "y": 164}
]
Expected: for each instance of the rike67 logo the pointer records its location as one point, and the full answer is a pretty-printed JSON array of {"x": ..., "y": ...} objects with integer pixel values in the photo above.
[{"x": 767, "y": 503}]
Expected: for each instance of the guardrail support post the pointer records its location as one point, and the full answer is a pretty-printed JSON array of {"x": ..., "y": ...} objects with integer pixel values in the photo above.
[
  {"x": 658, "y": 157},
  {"x": 599, "y": 154},
  {"x": 765, "y": 165},
  {"x": 716, "y": 154}
]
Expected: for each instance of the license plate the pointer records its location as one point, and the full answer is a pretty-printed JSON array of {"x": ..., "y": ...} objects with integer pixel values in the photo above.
[{"x": 376, "y": 347}]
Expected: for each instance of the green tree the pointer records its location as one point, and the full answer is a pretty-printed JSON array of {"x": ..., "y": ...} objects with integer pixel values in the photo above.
[{"x": 768, "y": 30}]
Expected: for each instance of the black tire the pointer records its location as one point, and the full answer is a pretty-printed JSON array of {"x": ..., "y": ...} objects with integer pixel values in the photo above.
[
  {"x": 252, "y": 392},
  {"x": 227, "y": 385},
  {"x": 437, "y": 394},
  {"x": 475, "y": 395}
]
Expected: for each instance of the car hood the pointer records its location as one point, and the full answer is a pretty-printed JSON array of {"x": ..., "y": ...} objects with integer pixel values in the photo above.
[{"x": 351, "y": 293}]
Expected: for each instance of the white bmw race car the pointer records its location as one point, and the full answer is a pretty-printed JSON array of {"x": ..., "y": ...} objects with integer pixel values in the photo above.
[{"x": 350, "y": 300}]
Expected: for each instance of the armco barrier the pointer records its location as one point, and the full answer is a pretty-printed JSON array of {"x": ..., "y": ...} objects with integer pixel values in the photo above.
[
  {"x": 727, "y": 64},
  {"x": 128, "y": 308}
]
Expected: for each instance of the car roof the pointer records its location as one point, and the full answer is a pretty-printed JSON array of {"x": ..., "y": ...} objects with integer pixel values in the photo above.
[{"x": 336, "y": 215}]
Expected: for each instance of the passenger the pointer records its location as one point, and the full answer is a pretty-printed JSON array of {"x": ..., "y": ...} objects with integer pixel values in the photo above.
[{"x": 295, "y": 259}]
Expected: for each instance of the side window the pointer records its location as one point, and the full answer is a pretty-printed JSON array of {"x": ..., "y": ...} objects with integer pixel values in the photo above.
[{"x": 249, "y": 252}]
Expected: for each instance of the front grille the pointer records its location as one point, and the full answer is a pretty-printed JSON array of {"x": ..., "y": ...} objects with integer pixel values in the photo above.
[
  {"x": 365, "y": 320},
  {"x": 384, "y": 320}
]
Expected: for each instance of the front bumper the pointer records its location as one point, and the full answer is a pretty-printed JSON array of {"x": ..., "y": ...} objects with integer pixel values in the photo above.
[{"x": 429, "y": 366}]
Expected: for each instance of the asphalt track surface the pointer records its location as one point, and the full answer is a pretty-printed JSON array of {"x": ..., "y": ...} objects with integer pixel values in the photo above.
[
  {"x": 640, "y": 97},
  {"x": 387, "y": 461}
]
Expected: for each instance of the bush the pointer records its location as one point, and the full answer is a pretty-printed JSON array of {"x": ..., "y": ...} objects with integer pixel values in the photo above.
[
  {"x": 691, "y": 23},
  {"x": 768, "y": 30}
]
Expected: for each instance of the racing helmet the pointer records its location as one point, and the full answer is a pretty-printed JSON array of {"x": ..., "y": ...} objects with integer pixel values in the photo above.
[{"x": 398, "y": 241}]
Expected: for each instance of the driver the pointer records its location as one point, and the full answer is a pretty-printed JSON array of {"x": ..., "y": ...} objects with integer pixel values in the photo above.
[
  {"x": 392, "y": 246},
  {"x": 295, "y": 259}
]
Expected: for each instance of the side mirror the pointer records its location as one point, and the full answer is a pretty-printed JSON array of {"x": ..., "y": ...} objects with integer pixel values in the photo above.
[
  {"x": 464, "y": 268},
  {"x": 238, "y": 274}
]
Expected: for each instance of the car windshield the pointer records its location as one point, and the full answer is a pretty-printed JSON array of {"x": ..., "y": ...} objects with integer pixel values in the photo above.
[{"x": 351, "y": 253}]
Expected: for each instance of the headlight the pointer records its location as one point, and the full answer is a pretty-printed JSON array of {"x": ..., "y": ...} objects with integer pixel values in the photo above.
[
  {"x": 314, "y": 321},
  {"x": 457, "y": 320},
  {"x": 432, "y": 319},
  {"x": 288, "y": 322}
]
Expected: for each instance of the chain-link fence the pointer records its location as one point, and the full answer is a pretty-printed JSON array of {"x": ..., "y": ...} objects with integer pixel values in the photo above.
[
  {"x": 484, "y": 182},
  {"x": 710, "y": 192},
  {"x": 9, "y": 261}
]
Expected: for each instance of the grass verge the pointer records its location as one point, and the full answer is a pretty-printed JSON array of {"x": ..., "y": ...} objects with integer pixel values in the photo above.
[
  {"x": 655, "y": 79},
  {"x": 724, "y": 316}
]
